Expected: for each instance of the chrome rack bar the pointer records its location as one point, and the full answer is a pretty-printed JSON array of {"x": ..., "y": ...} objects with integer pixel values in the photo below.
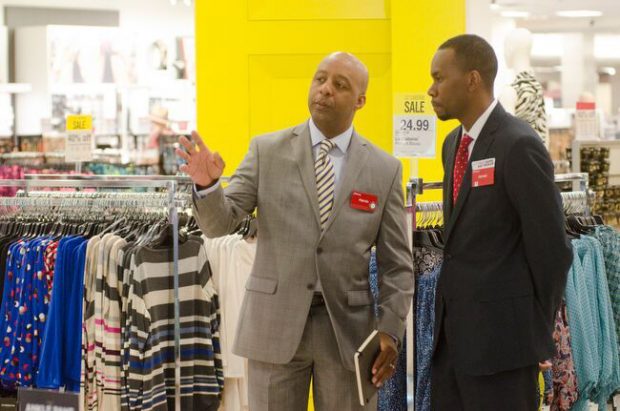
[
  {"x": 132, "y": 178},
  {"x": 181, "y": 180}
]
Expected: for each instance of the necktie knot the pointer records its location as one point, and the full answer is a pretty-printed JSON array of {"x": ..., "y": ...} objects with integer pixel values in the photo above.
[
  {"x": 466, "y": 141},
  {"x": 325, "y": 147}
]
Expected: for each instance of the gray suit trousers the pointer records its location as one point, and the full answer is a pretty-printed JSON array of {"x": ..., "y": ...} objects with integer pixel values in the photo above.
[{"x": 278, "y": 387}]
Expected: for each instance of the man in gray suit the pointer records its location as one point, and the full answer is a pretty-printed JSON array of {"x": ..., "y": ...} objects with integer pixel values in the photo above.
[{"x": 324, "y": 196}]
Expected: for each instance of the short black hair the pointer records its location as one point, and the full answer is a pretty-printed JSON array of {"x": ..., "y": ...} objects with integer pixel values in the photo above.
[{"x": 474, "y": 53}]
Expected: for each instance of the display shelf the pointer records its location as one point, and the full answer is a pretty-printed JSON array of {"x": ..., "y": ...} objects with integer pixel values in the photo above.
[{"x": 614, "y": 156}]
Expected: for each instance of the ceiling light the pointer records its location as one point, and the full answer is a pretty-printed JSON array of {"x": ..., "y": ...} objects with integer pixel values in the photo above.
[
  {"x": 494, "y": 6},
  {"x": 579, "y": 13},
  {"x": 515, "y": 14}
]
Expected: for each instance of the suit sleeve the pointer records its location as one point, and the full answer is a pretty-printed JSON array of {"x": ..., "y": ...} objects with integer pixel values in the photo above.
[
  {"x": 532, "y": 190},
  {"x": 394, "y": 263},
  {"x": 222, "y": 210}
]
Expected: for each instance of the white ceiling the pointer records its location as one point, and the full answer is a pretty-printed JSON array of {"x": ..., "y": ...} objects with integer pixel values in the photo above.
[{"x": 543, "y": 18}]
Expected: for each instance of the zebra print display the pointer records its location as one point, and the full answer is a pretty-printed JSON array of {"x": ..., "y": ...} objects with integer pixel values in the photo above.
[{"x": 530, "y": 105}]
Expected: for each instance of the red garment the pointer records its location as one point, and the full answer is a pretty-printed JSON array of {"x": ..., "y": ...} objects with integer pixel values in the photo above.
[{"x": 10, "y": 173}]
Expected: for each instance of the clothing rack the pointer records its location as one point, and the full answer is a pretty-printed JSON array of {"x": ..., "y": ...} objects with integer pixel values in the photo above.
[
  {"x": 170, "y": 199},
  {"x": 574, "y": 202},
  {"x": 580, "y": 181}
]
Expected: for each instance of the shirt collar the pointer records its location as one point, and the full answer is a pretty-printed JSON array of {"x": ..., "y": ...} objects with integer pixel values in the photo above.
[
  {"x": 342, "y": 140},
  {"x": 476, "y": 129}
]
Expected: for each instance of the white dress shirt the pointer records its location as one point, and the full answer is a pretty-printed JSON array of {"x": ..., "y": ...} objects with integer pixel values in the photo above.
[{"x": 338, "y": 155}]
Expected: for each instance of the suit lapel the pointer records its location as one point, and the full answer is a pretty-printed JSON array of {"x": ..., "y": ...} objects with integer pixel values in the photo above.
[
  {"x": 355, "y": 159},
  {"x": 302, "y": 150},
  {"x": 481, "y": 148},
  {"x": 447, "y": 195}
]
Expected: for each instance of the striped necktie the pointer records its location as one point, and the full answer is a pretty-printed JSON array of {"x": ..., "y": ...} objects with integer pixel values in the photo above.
[{"x": 325, "y": 180}]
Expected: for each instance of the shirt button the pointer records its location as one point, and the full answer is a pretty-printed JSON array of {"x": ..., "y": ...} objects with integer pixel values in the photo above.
[
  {"x": 319, "y": 250},
  {"x": 310, "y": 286}
]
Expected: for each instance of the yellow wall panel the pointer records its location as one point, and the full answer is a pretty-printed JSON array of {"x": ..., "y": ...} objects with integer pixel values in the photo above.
[
  {"x": 322, "y": 36},
  {"x": 316, "y": 9}
]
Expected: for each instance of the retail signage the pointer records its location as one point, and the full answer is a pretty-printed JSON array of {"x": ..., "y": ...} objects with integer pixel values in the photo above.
[
  {"x": 586, "y": 121},
  {"x": 78, "y": 147},
  {"x": 415, "y": 126},
  {"x": 43, "y": 400}
]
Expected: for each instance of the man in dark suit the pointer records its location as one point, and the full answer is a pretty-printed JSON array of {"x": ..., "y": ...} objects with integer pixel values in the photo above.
[{"x": 506, "y": 252}]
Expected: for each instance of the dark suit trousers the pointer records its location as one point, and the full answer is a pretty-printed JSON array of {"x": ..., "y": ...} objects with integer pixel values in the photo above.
[{"x": 513, "y": 390}]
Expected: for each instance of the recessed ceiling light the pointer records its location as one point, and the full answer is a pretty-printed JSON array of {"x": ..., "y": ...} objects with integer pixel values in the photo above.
[
  {"x": 495, "y": 6},
  {"x": 579, "y": 13},
  {"x": 516, "y": 14}
]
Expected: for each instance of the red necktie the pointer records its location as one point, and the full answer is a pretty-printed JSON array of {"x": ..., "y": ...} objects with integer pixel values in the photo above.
[{"x": 460, "y": 165}]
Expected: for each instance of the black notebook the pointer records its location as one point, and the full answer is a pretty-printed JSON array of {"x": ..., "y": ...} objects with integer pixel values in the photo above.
[{"x": 364, "y": 359}]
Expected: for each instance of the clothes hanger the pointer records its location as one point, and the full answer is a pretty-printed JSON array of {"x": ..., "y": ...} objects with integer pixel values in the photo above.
[
  {"x": 580, "y": 226},
  {"x": 113, "y": 226},
  {"x": 424, "y": 238}
]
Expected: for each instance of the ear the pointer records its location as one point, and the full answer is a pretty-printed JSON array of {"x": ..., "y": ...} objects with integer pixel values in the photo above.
[
  {"x": 474, "y": 81},
  {"x": 361, "y": 101}
]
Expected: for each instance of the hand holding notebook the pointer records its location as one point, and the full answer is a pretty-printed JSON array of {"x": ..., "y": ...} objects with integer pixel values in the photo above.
[{"x": 374, "y": 363}]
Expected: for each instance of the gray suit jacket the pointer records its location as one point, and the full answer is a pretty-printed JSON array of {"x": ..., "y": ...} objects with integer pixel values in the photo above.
[{"x": 277, "y": 179}]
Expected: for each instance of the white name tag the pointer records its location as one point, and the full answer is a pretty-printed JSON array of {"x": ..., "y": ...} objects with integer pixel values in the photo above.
[{"x": 480, "y": 164}]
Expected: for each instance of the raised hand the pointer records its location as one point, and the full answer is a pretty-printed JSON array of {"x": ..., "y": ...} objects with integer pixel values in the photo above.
[{"x": 203, "y": 166}]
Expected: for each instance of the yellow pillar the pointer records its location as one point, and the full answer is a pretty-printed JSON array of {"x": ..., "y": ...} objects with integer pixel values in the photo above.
[
  {"x": 255, "y": 59},
  {"x": 418, "y": 28}
]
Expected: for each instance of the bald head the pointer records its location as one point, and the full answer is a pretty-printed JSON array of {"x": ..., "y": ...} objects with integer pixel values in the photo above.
[
  {"x": 358, "y": 68},
  {"x": 338, "y": 90}
]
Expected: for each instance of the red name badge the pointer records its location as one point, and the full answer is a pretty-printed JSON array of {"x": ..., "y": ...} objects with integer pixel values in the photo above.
[
  {"x": 483, "y": 172},
  {"x": 363, "y": 201}
]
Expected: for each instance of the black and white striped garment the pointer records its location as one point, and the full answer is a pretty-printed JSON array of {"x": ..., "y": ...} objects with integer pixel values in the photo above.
[
  {"x": 151, "y": 331},
  {"x": 530, "y": 105}
]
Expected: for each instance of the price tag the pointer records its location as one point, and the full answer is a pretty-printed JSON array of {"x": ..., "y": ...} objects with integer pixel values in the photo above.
[
  {"x": 586, "y": 122},
  {"x": 415, "y": 127},
  {"x": 78, "y": 147},
  {"x": 44, "y": 400}
]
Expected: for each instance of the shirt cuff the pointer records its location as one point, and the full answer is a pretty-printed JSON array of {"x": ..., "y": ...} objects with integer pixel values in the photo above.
[
  {"x": 205, "y": 192},
  {"x": 396, "y": 340}
]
